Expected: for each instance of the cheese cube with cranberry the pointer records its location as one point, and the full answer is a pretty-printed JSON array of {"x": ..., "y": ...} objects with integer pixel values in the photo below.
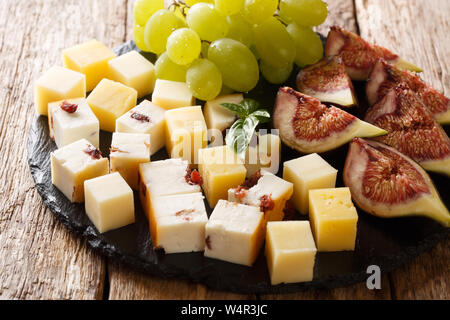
[
  {"x": 221, "y": 169},
  {"x": 186, "y": 133},
  {"x": 56, "y": 84},
  {"x": 290, "y": 251},
  {"x": 147, "y": 118},
  {"x": 109, "y": 202},
  {"x": 109, "y": 100},
  {"x": 166, "y": 177},
  {"x": 90, "y": 58},
  {"x": 134, "y": 71},
  {"x": 266, "y": 191},
  {"x": 172, "y": 94},
  {"x": 71, "y": 165},
  {"x": 177, "y": 222},
  {"x": 235, "y": 233},
  {"x": 127, "y": 151},
  {"x": 217, "y": 116},
  {"x": 307, "y": 173},
  {"x": 71, "y": 120}
]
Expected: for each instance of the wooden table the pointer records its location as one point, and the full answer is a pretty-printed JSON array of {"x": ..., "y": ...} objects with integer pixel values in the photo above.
[{"x": 41, "y": 259}]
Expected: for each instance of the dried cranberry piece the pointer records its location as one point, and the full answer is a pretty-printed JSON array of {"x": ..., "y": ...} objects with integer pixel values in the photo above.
[
  {"x": 69, "y": 107},
  {"x": 193, "y": 177},
  {"x": 93, "y": 152},
  {"x": 240, "y": 192},
  {"x": 266, "y": 203},
  {"x": 252, "y": 180},
  {"x": 140, "y": 117}
]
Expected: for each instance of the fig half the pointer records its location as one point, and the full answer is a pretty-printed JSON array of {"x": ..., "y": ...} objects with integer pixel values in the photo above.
[
  {"x": 328, "y": 81},
  {"x": 411, "y": 129},
  {"x": 358, "y": 55},
  {"x": 308, "y": 126},
  {"x": 385, "y": 76},
  {"x": 388, "y": 184}
]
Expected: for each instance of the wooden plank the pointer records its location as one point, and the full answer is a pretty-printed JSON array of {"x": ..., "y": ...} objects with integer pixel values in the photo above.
[
  {"x": 40, "y": 258},
  {"x": 417, "y": 31}
]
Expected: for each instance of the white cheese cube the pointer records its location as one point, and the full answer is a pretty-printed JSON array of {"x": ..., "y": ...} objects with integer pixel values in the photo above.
[
  {"x": 127, "y": 151},
  {"x": 177, "y": 222},
  {"x": 235, "y": 233},
  {"x": 67, "y": 126},
  {"x": 109, "y": 202},
  {"x": 148, "y": 118},
  {"x": 172, "y": 94},
  {"x": 217, "y": 116},
  {"x": 73, "y": 164}
]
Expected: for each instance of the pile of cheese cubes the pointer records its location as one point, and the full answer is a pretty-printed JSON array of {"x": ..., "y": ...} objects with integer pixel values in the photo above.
[{"x": 245, "y": 212}]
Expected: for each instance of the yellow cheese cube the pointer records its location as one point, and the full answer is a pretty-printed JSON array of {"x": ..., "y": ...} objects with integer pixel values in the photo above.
[
  {"x": 307, "y": 173},
  {"x": 74, "y": 163},
  {"x": 221, "y": 169},
  {"x": 185, "y": 133},
  {"x": 109, "y": 100},
  {"x": 172, "y": 94},
  {"x": 56, "y": 84},
  {"x": 109, "y": 202},
  {"x": 127, "y": 151},
  {"x": 90, "y": 58},
  {"x": 290, "y": 251},
  {"x": 217, "y": 116},
  {"x": 134, "y": 71},
  {"x": 333, "y": 219}
]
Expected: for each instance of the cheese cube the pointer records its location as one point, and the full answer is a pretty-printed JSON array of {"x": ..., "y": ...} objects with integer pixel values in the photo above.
[
  {"x": 172, "y": 94},
  {"x": 71, "y": 165},
  {"x": 162, "y": 178},
  {"x": 217, "y": 116},
  {"x": 56, "y": 84},
  {"x": 127, "y": 151},
  {"x": 67, "y": 126},
  {"x": 177, "y": 223},
  {"x": 290, "y": 251},
  {"x": 109, "y": 100},
  {"x": 109, "y": 202},
  {"x": 133, "y": 70},
  {"x": 148, "y": 118},
  {"x": 221, "y": 169},
  {"x": 269, "y": 193},
  {"x": 235, "y": 233},
  {"x": 307, "y": 173},
  {"x": 186, "y": 133},
  {"x": 333, "y": 219},
  {"x": 265, "y": 155},
  {"x": 90, "y": 58}
]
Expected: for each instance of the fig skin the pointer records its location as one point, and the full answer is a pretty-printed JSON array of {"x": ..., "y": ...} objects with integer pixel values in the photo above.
[
  {"x": 308, "y": 126},
  {"x": 385, "y": 76},
  {"x": 411, "y": 129},
  {"x": 328, "y": 81},
  {"x": 387, "y": 184},
  {"x": 358, "y": 55}
]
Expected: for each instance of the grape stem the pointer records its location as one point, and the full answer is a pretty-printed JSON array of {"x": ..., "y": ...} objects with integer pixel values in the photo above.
[
  {"x": 279, "y": 19},
  {"x": 179, "y": 4}
]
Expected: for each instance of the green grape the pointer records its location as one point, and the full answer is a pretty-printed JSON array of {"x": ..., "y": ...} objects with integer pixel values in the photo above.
[
  {"x": 207, "y": 22},
  {"x": 204, "y": 79},
  {"x": 205, "y": 47},
  {"x": 255, "y": 52},
  {"x": 275, "y": 75},
  {"x": 138, "y": 32},
  {"x": 229, "y": 7},
  {"x": 190, "y": 3},
  {"x": 166, "y": 69},
  {"x": 158, "y": 28},
  {"x": 304, "y": 12},
  {"x": 225, "y": 90},
  {"x": 144, "y": 9},
  {"x": 308, "y": 44},
  {"x": 181, "y": 19},
  {"x": 273, "y": 43},
  {"x": 183, "y": 46},
  {"x": 257, "y": 11},
  {"x": 236, "y": 62},
  {"x": 240, "y": 30}
]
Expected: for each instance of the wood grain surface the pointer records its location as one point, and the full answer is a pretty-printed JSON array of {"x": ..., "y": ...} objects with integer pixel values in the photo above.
[{"x": 40, "y": 259}]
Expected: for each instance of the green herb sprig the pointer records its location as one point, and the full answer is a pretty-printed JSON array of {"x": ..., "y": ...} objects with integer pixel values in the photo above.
[{"x": 242, "y": 130}]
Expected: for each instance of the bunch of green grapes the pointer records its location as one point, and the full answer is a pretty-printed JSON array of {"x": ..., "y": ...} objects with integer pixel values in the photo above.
[{"x": 218, "y": 46}]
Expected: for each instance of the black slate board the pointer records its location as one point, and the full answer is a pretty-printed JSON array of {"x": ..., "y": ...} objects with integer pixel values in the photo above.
[{"x": 387, "y": 243}]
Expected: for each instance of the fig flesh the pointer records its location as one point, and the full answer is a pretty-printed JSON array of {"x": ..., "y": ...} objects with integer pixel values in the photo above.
[
  {"x": 385, "y": 76},
  {"x": 411, "y": 129},
  {"x": 358, "y": 55},
  {"x": 388, "y": 184},
  {"x": 328, "y": 81},
  {"x": 308, "y": 126}
]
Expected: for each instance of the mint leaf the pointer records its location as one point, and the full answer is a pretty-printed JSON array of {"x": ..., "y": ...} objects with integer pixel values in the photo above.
[
  {"x": 249, "y": 105},
  {"x": 236, "y": 108},
  {"x": 262, "y": 115}
]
